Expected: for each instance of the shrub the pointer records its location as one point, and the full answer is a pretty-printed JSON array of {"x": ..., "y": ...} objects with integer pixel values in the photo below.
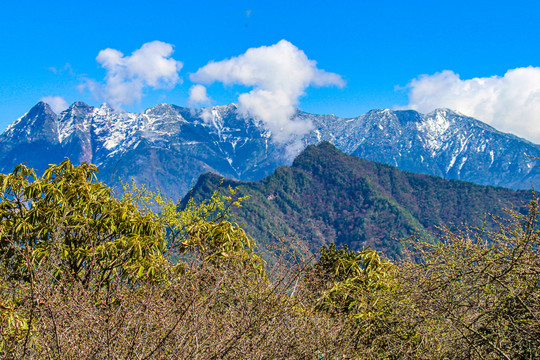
[
  {"x": 477, "y": 293},
  {"x": 87, "y": 275}
]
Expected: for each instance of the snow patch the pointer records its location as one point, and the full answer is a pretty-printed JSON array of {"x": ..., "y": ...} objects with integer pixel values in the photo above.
[
  {"x": 463, "y": 160},
  {"x": 434, "y": 129},
  {"x": 13, "y": 124},
  {"x": 452, "y": 162}
]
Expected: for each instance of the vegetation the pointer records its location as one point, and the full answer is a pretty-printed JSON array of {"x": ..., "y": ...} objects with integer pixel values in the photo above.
[
  {"x": 87, "y": 275},
  {"x": 329, "y": 197}
]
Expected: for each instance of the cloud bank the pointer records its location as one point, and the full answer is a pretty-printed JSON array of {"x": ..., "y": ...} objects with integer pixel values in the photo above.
[
  {"x": 127, "y": 76},
  {"x": 57, "y": 103},
  {"x": 279, "y": 75},
  {"x": 510, "y": 103}
]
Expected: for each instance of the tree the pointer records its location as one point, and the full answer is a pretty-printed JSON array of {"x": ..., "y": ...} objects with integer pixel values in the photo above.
[
  {"x": 208, "y": 231},
  {"x": 362, "y": 288},
  {"x": 67, "y": 217},
  {"x": 69, "y": 247},
  {"x": 479, "y": 291}
]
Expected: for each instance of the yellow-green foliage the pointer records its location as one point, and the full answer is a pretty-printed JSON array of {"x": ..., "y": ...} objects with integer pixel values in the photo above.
[
  {"x": 69, "y": 218},
  {"x": 13, "y": 324},
  {"x": 359, "y": 287},
  {"x": 481, "y": 289},
  {"x": 209, "y": 230},
  {"x": 84, "y": 274},
  {"x": 67, "y": 224},
  {"x": 352, "y": 278}
]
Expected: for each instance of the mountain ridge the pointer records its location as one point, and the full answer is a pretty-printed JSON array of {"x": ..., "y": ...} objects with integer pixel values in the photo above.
[
  {"x": 327, "y": 196},
  {"x": 169, "y": 146}
]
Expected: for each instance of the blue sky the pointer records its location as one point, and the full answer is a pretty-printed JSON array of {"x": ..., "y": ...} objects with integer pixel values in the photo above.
[{"x": 388, "y": 54}]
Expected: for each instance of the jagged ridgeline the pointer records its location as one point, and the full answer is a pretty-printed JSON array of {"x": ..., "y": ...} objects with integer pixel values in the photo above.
[
  {"x": 167, "y": 147},
  {"x": 327, "y": 196}
]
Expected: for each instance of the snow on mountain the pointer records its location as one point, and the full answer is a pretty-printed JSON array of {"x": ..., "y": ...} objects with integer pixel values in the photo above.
[
  {"x": 38, "y": 124},
  {"x": 112, "y": 128},
  {"x": 168, "y": 147}
]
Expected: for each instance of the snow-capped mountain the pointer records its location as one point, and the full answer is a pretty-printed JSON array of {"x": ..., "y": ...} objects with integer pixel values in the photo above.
[{"x": 168, "y": 147}]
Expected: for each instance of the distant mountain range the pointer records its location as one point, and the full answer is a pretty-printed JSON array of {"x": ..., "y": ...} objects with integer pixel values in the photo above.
[
  {"x": 327, "y": 196},
  {"x": 168, "y": 147}
]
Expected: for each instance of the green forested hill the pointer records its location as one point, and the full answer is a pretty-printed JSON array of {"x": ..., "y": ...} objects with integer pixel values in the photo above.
[{"x": 327, "y": 196}]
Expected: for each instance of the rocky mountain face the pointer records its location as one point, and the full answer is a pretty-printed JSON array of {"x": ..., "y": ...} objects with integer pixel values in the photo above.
[
  {"x": 327, "y": 196},
  {"x": 168, "y": 147}
]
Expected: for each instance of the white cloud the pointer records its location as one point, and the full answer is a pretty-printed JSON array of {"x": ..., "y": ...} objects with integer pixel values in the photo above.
[
  {"x": 150, "y": 66},
  {"x": 198, "y": 96},
  {"x": 207, "y": 116},
  {"x": 510, "y": 103},
  {"x": 279, "y": 75},
  {"x": 57, "y": 103}
]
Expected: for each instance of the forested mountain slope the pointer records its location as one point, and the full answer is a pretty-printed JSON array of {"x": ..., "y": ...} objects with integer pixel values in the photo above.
[{"x": 327, "y": 196}]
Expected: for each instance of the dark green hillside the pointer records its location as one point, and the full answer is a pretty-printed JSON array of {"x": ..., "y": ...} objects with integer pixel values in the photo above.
[{"x": 327, "y": 196}]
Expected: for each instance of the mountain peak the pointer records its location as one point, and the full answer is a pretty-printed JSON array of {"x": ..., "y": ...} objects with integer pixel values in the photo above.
[
  {"x": 318, "y": 153},
  {"x": 379, "y": 112},
  {"x": 231, "y": 106},
  {"x": 162, "y": 109},
  {"x": 104, "y": 110},
  {"x": 76, "y": 109},
  {"x": 106, "y": 105},
  {"x": 41, "y": 108},
  {"x": 39, "y": 111},
  {"x": 80, "y": 105},
  {"x": 42, "y": 105},
  {"x": 444, "y": 112},
  {"x": 39, "y": 123},
  {"x": 329, "y": 196}
]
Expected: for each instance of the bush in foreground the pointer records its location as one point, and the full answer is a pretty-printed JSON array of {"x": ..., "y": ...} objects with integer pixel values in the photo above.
[{"x": 88, "y": 275}]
